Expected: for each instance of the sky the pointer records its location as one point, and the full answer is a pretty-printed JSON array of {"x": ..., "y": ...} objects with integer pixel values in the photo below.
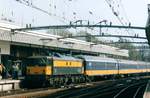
[
  {"x": 63, "y": 11},
  {"x": 136, "y": 11}
]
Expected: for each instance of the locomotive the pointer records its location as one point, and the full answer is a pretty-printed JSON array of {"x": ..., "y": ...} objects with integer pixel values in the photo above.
[{"x": 63, "y": 70}]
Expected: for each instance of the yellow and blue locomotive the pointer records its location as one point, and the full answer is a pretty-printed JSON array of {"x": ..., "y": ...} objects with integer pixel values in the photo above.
[{"x": 54, "y": 70}]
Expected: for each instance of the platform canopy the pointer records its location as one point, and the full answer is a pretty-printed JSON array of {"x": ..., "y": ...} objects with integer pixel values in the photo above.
[{"x": 49, "y": 40}]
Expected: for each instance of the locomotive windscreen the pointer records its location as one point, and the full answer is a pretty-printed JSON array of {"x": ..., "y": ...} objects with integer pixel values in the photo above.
[{"x": 39, "y": 62}]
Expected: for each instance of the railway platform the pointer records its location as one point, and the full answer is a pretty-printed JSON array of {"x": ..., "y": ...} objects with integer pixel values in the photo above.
[
  {"x": 147, "y": 90},
  {"x": 6, "y": 84}
]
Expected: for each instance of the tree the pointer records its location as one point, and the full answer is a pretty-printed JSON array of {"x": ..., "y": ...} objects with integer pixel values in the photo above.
[
  {"x": 88, "y": 37},
  {"x": 60, "y": 32},
  {"x": 134, "y": 53}
]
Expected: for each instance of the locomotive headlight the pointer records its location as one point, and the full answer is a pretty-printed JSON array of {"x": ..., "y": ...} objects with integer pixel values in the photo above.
[
  {"x": 28, "y": 71},
  {"x": 44, "y": 70}
]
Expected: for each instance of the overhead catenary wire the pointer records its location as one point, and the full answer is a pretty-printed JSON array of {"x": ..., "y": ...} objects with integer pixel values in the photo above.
[
  {"x": 30, "y": 4},
  {"x": 125, "y": 13},
  {"x": 116, "y": 14}
]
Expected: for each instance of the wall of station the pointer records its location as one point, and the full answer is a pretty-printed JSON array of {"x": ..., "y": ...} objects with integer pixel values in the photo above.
[{"x": 4, "y": 47}]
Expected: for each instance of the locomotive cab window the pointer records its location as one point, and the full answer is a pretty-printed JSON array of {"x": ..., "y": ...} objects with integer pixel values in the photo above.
[{"x": 39, "y": 62}]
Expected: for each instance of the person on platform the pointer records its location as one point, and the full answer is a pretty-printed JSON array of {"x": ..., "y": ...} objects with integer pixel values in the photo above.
[
  {"x": 15, "y": 71},
  {"x": 2, "y": 70}
]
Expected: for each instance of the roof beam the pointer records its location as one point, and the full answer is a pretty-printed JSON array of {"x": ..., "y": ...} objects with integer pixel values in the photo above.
[
  {"x": 105, "y": 36},
  {"x": 76, "y": 26},
  {"x": 126, "y": 42}
]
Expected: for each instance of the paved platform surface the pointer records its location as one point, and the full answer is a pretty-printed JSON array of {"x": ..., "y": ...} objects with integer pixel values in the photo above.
[
  {"x": 8, "y": 81},
  {"x": 6, "y": 84},
  {"x": 147, "y": 91}
]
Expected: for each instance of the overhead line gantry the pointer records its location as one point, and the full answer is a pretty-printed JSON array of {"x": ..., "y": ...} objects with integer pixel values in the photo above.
[
  {"x": 136, "y": 37},
  {"x": 76, "y": 26},
  {"x": 89, "y": 26}
]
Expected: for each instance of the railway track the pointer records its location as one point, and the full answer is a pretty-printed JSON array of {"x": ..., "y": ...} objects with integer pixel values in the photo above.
[
  {"x": 41, "y": 92},
  {"x": 102, "y": 89},
  {"x": 32, "y": 93},
  {"x": 118, "y": 89},
  {"x": 18, "y": 91},
  {"x": 133, "y": 91},
  {"x": 128, "y": 91}
]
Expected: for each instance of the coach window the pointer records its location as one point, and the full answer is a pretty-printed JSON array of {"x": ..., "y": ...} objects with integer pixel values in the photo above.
[{"x": 70, "y": 63}]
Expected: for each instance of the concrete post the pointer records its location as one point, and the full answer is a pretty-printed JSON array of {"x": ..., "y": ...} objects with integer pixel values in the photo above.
[{"x": 0, "y": 58}]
